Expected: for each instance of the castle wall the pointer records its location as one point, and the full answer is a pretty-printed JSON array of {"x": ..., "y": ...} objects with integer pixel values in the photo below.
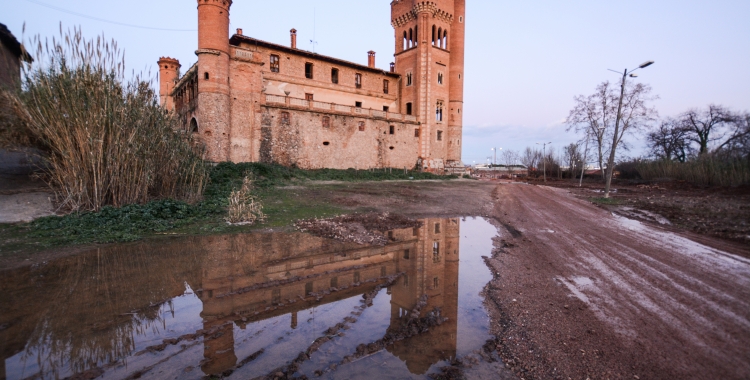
[{"x": 301, "y": 139}]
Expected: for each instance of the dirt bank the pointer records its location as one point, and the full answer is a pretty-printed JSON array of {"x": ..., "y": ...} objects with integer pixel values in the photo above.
[{"x": 582, "y": 293}]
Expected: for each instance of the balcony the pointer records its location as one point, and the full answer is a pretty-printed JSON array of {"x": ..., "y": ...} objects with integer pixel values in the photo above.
[{"x": 296, "y": 103}]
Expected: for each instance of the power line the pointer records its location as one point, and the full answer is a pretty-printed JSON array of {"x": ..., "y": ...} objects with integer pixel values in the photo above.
[{"x": 107, "y": 21}]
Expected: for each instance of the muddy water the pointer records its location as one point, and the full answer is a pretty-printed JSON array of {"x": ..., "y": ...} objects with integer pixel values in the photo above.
[{"x": 246, "y": 306}]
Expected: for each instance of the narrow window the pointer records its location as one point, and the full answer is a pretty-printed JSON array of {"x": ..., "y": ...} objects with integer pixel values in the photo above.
[
  {"x": 435, "y": 252},
  {"x": 416, "y": 132},
  {"x": 433, "y": 35},
  {"x": 437, "y": 228},
  {"x": 411, "y": 37},
  {"x": 440, "y": 78},
  {"x": 461, "y": 19},
  {"x": 361, "y": 126},
  {"x": 308, "y": 288},
  {"x": 326, "y": 122},
  {"x": 385, "y": 108},
  {"x": 274, "y": 63},
  {"x": 416, "y": 35},
  {"x": 439, "y": 135},
  {"x": 406, "y": 254},
  {"x": 205, "y": 75},
  {"x": 309, "y": 97},
  {"x": 385, "y": 86},
  {"x": 358, "y": 104},
  {"x": 408, "y": 79},
  {"x": 439, "y": 36},
  {"x": 358, "y": 80},
  {"x": 309, "y": 70},
  {"x": 406, "y": 43},
  {"x": 445, "y": 38},
  {"x": 435, "y": 282},
  {"x": 284, "y": 118},
  {"x": 439, "y": 112},
  {"x": 334, "y": 75},
  {"x": 391, "y": 130},
  {"x": 408, "y": 108}
]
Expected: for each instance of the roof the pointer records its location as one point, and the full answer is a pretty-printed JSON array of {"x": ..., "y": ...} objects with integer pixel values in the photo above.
[
  {"x": 15, "y": 47},
  {"x": 237, "y": 39}
]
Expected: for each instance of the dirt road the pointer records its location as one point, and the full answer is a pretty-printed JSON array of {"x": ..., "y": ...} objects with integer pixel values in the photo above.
[{"x": 580, "y": 293}]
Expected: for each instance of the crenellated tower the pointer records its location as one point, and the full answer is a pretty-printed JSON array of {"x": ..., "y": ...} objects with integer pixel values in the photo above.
[
  {"x": 429, "y": 39},
  {"x": 214, "y": 120},
  {"x": 169, "y": 72}
]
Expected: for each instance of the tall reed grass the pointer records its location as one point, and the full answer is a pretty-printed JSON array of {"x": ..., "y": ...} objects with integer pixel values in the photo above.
[
  {"x": 709, "y": 171},
  {"x": 106, "y": 140}
]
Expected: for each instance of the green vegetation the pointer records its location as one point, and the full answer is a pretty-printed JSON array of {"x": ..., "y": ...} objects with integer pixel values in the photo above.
[
  {"x": 165, "y": 216},
  {"x": 605, "y": 201}
]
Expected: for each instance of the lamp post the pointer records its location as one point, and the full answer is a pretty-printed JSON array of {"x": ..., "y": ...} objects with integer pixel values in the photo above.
[
  {"x": 611, "y": 161},
  {"x": 544, "y": 159},
  {"x": 494, "y": 161}
]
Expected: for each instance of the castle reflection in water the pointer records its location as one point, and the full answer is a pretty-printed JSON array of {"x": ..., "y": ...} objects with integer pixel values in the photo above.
[{"x": 88, "y": 311}]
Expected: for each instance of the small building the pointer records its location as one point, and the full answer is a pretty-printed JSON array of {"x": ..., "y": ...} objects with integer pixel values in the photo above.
[{"x": 12, "y": 53}]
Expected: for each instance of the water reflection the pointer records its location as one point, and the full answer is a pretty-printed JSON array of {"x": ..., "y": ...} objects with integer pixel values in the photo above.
[{"x": 239, "y": 305}]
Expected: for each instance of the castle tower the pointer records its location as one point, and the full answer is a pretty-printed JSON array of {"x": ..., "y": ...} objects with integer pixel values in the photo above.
[
  {"x": 213, "y": 77},
  {"x": 169, "y": 71},
  {"x": 424, "y": 33},
  {"x": 455, "y": 120}
]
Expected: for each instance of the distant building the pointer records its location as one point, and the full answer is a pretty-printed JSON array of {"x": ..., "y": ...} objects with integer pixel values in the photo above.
[
  {"x": 249, "y": 100},
  {"x": 12, "y": 53}
]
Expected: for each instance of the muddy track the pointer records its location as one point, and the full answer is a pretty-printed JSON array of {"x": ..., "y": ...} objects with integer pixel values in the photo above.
[{"x": 581, "y": 293}]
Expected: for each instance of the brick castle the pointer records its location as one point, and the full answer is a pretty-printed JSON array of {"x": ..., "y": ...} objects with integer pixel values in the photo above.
[{"x": 249, "y": 100}]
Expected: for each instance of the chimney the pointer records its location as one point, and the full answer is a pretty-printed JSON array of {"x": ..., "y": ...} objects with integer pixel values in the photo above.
[
  {"x": 239, "y": 31},
  {"x": 371, "y": 58},
  {"x": 294, "y": 38},
  {"x": 393, "y": 67}
]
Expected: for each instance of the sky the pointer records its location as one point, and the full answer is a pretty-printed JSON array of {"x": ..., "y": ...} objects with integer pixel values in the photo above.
[{"x": 525, "y": 60}]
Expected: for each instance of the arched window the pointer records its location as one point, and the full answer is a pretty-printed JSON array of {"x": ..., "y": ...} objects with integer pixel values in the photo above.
[
  {"x": 439, "y": 112},
  {"x": 433, "y": 35},
  {"x": 411, "y": 37},
  {"x": 406, "y": 46},
  {"x": 440, "y": 33},
  {"x": 416, "y": 35},
  {"x": 193, "y": 126},
  {"x": 445, "y": 38}
]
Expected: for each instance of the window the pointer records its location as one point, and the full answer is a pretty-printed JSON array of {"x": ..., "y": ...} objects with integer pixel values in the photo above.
[
  {"x": 309, "y": 70},
  {"x": 326, "y": 122},
  {"x": 361, "y": 126},
  {"x": 439, "y": 111},
  {"x": 334, "y": 75},
  {"x": 408, "y": 79},
  {"x": 406, "y": 280},
  {"x": 274, "y": 63},
  {"x": 439, "y": 135},
  {"x": 385, "y": 108},
  {"x": 358, "y": 104},
  {"x": 309, "y": 97},
  {"x": 408, "y": 108},
  {"x": 435, "y": 252},
  {"x": 391, "y": 130},
  {"x": 416, "y": 132},
  {"x": 358, "y": 80},
  {"x": 435, "y": 282},
  {"x": 205, "y": 75},
  {"x": 284, "y": 118},
  {"x": 437, "y": 228},
  {"x": 385, "y": 86},
  {"x": 440, "y": 78},
  {"x": 406, "y": 254}
]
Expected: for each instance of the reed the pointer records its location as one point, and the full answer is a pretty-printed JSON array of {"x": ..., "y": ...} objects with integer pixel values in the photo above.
[
  {"x": 708, "y": 171},
  {"x": 244, "y": 208},
  {"x": 106, "y": 141}
]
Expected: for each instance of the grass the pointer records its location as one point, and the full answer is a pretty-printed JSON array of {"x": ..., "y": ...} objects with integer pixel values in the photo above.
[
  {"x": 166, "y": 216},
  {"x": 605, "y": 201},
  {"x": 707, "y": 171}
]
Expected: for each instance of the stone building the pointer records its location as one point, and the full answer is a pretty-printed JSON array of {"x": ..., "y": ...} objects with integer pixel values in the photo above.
[
  {"x": 12, "y": 53},
  {"x": 249, "y": 100}
]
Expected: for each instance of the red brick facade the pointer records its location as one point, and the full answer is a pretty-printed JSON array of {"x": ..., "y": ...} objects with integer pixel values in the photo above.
[{"x": 250, "y": 100}]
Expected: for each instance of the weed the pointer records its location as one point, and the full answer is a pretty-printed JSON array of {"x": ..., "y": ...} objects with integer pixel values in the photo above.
[
  {"x": 244, "y": 208},
  {"x": 605, "y": 201}
]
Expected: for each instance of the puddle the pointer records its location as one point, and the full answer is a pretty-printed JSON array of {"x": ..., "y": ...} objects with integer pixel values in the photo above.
[{"x": 244, "y": 306}]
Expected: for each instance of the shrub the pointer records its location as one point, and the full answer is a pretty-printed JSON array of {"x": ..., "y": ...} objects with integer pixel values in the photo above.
[
  {"x": 243, "y": 207},
  {"x": 705, "y": 170},
  {"x": 105, "y": 142}
]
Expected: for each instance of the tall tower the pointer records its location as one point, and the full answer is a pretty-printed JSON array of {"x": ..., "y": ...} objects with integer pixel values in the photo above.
[
  {"x": 455, "y": 120},
  {"x": 169, "y": 71},
  {"x": 426, "y": 43},
  {"x": 213, "y": 77}
]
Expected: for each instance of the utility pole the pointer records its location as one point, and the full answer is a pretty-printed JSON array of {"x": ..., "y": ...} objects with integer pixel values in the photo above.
[{"x": 544, "y": 159}]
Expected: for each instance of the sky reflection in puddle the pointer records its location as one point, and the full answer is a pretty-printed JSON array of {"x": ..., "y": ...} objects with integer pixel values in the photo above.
[{"x": 244, "y": 306}]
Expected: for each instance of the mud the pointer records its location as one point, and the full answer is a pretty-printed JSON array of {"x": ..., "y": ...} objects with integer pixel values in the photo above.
[{"x": 357, "y": 228}]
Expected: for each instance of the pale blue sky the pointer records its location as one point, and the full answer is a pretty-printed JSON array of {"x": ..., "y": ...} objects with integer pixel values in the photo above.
[{"x": 525, "y": 60}]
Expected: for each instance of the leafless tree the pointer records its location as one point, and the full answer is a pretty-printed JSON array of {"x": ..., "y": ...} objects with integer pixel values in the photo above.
[
  {"x": 595, "y": 115},
  {"x": 573, "y": 156},
  {"x": 530, "y": 158},
  {"x": 713, "y": 125},
  {"x": 669, "y": 141},
  {"x": 510, "y": 157}
]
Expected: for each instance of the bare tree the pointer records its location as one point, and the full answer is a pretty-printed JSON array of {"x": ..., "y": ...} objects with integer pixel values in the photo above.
[
  {"x": 530, "y": 158},
  {"x": 595, "y": 116},
  {"x": 572, "y": 157},
  {"x": 669, "y": 141},
  {"x": 711, "y": 125}
]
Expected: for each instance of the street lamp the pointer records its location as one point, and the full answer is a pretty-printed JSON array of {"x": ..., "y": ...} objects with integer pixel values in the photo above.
[
  {"x": 494, "y": 162},
  {"x": 544, "y": 159},
  {"x": 611, "y": 161}
]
